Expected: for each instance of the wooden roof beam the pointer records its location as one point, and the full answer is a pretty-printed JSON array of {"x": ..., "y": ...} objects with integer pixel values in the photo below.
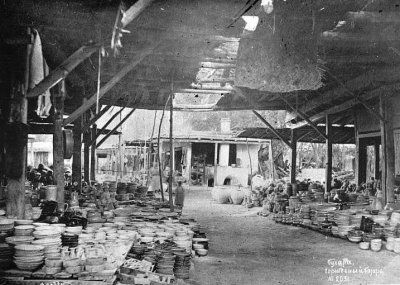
[
  {"x": 61, "y": 72},
  {"x": 110, "y": 84},
  {"x": 371, "y": 78},
  {"x": 395, "y": 88}
]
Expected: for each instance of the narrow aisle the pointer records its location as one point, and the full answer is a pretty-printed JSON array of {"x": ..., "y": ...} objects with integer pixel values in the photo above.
[{"x": 249, "y": 249}]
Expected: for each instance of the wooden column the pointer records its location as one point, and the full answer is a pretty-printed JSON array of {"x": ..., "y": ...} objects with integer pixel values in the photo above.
[
  {"x": 93, "y": 154},
  {"x": 377, "y": 159},
  {"x": 271, "y": 159},
  {"x": 77, "y": 154},
  {"x": 362, "y": 161},
  {"x": 388, "y": 155},
  {"x": 171, "y": 152},
  {"x": 328, "y": 169},
  {"x": 15, "y": 204},
  {"x": 86, "y": 156},
  {"x": 357, "y": 152},
  {"x": 293, "y": 142},
  {"x": 58, "y": 145}
]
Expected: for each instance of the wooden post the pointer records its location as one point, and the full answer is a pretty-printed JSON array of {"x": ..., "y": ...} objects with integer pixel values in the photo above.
[
  {"x": 294, "y": 156},
  {"x": 77, "y": 155},
  {"x": 271, "y": 159},
  {"x": 93, "y": 154},
  {"x": 377, "y": 159},
  {"x": 86, "y": 156},
  {"x": 388, "y": 155},
  {"x": 15, "y": 205},
  {"x": 362, "y": 161},
  {"x": 357, "y": 152},
  {"x": 58, "y": 145},
  {"x": 171, "y": 153},
  {"x": 328, "y": 169}
]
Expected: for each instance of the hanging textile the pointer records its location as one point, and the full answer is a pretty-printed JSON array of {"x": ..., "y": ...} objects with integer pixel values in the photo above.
[{"x": 38, "y": 71}]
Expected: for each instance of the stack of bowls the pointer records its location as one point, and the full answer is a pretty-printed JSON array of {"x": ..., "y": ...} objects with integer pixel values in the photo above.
[
  {"x": 390, "y": 243},
  {"x": 47, "y": 231},
  {"x": 28, "y": 257},
  {"x": 23, "y": 222},
  {"x": 6, "y": 256},
  {"x": 53, "y": 265},
  {"x": 6, "y": 225},
  {"x": 52, "y": 246},
  {"x": 376, "y": 244},
  {"x": 147, "y": 235},
  {"x": 396, "y": 246},
  {"x": 24, "y": 230},
  {"x": 165, "y": 263},
  {"x": 77, "y": 230},
  {"x": 16, "y": 240},
  {"x": 183, "y": 242},
  {"x": 182, "y": 265}
]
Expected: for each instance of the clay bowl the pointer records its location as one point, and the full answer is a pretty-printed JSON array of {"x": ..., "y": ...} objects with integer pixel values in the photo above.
[
  {"x": 202, "y": 252},
  {"x": 54, "y": 262}
]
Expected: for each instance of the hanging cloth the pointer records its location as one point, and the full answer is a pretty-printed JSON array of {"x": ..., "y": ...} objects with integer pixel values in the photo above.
[{"x": 38, "y": 71}]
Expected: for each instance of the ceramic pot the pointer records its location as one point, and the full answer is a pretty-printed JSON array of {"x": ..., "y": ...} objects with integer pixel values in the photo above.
[
  {"x": 237, "y": 196},
  {"x": 222, "y": 194}
]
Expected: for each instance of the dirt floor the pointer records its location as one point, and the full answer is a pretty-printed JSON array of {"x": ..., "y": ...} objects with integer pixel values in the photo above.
[{"x": 249, "y": 249}]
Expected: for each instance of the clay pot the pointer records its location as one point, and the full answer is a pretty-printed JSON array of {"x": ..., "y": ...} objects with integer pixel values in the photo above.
[
  {"x": 222, "y": 194},
  {"x": 237, "y": 196}
]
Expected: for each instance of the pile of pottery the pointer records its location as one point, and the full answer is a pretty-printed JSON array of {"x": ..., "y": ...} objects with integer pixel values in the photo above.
[
  {"x": 343, "y": 222},
  {"x": 28, "y": 257},
  {"x": 182, "y": 265},
  {"x": 53, "y": 265},
  {"x": 6, "y": 256},
  {"x": 165, "y": 263},
  {"x": 6, "y": 226},
  {"x": 48, "y": 236},
  {"x": 376, "y": 245},
  {"x": 355, "y": 236},
  {"x": 200, "y": 246}
]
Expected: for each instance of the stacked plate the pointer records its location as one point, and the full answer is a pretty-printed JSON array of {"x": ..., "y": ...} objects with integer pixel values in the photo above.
[
  {"x": 165, "y": 263},
  {"x": 380, "y": 219},
  {"x": 48, "y": 231},
  {"x": 16, "y": 240},
  {"x": 182, "y": 265},
  {"x": 24, "y": 230},
  {"x": 6, "y": 255},
  {"x": 52, "y": 246},
  {"x": 28, "y": 257},
  {"x": 6, "y": 225},
  {"x": 23, "y": 222}
]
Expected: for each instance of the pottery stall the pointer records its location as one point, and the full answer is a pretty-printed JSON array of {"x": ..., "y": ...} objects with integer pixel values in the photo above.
[{"x": 103, "y": 238}]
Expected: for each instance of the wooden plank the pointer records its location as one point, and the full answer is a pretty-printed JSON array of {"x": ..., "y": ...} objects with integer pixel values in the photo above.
[
  {"x": 328, "y": 168},
  {"x": 382, "y": 110},
  {"x": 134, "y": 11},
  {"x": 93, "y": 153},
  {"x": 116, "y": 127},
  {"x": 98, "y": 116},
  {"x": 77, "y": 154},
  {"x": 171, "y": 153},
  {"x": 357, "y": 150},
  {"x": 110, "y": 84},
  {"x": 304, "y": 117},
  {"x": 350, "y": 103},
  {"x": 293, "y": 163},
  {"x": 372, "y": 79},
  {"x": 272, "y": 128},
  {"x": 58, "y": 145},
  {"x": 373, "y": 17},
  {"x": 377, "y": 159},
  {"x": 97, "y": 134},
  {"x": 63, "y": 70}
]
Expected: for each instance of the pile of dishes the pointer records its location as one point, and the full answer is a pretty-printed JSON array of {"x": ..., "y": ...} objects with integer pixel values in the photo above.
[
  {"x": 165, "y": 263},
  {"x": 6, "y": 225},
  {"x": 380, "y": 219},
  {"x": 182, "y": 265},
  {"x": 28, "y": 257},
  {"x": 6, "y": 255},
  {"x": 16, "y": 240},
  {"x": 343, "y": 222},
  {"x": 24, "y": 230}
]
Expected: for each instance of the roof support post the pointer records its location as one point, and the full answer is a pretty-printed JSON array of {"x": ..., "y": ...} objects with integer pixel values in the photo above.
[
  {"x": 96, "y": 135},
  {"x": 272, "y": 128},
  {"x": 304, "y": 117},
  {"x": 328, "y": 168},
  {"x": 77, "y": 155},
  {"x": 93, "y": 153},
  {"x": 116, "y": 127},
  {"x": 388, "y": 153},
  {"x": 293, "y": 141}
]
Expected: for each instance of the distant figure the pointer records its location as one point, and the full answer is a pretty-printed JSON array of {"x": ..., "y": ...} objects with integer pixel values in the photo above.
[
  {"x": 179, "y": 195},
  {"x": 49, "y": 178}
]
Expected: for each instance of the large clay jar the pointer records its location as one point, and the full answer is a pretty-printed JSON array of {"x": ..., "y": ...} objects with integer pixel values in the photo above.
[
  {"x": 237, "y": 196},
  {"x": 222, "y": 194}
]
